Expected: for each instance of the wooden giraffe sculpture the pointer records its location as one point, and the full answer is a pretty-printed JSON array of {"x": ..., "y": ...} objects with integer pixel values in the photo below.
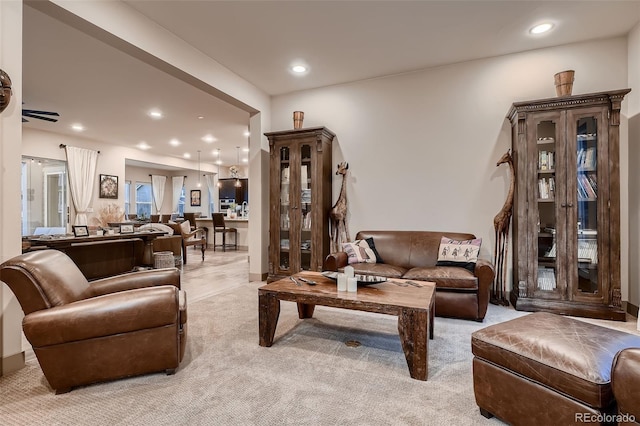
[
  {"x": 339, "y": 229},
  {"x": 501, "y": 225}
]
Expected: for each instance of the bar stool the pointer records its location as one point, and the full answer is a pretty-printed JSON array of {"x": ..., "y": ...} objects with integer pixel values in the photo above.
[{"x": 219, "y": 226}]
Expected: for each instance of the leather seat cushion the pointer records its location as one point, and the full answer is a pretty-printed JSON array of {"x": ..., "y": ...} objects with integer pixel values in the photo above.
[
  {"x": 570, "y": 356},
  {"x": 445, "y": 277},
  {"x": 379, "y": 269}
]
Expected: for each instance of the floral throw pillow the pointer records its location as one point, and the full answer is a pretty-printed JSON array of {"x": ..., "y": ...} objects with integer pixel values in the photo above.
[
  {"x": 459, "y": 253},
  {"x": 359, "y": 251}
]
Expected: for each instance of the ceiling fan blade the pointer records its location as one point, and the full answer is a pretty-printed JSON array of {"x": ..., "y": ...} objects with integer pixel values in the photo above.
[
  {"x": 35, "y": 111},
  {"x": 26, "y": 114}
]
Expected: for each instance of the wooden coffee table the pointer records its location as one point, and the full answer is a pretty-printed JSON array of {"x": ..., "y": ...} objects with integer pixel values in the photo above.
[{"x": 411, "y": 301}]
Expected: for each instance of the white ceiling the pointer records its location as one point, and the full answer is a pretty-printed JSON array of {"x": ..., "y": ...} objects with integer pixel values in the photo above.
[{"x": 110, "y": 92}]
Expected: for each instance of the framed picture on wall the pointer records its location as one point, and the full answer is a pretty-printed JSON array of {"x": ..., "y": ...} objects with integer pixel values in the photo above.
[
  {"x": 195, "y": 197},
  {"x": 108, "y": 186}
]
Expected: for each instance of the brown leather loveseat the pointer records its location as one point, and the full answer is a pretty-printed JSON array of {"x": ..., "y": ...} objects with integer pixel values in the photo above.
[
  {"x": 413, "y": 255},
  {"x": 110, "y": 328}
]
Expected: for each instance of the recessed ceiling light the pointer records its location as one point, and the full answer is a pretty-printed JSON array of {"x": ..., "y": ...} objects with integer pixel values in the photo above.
[
  {"x": 200, "y": 117},
  {"x": 299, "y": 69},
  {"x": 247, "y": 133},
  {"x": 156, "y": 114},
  {"x": 218, "y": 162},
  {"x": 77, "y": 127},
  {"x": 209, "y": 138},
  {"x": 245, "y": 149},
  {"x": 186, "y": 155},
  {"x": 541, "y": 28},
  {"x": 143, "y": 145},
  {"x": 174, "y": 142},
  {"x": 245, "y": 160}
]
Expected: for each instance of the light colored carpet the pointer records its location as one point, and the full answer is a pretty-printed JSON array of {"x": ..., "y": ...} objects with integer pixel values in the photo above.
[{"x": 309, "y": 376}]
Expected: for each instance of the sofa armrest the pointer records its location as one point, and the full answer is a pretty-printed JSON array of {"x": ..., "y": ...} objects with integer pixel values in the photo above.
[
  {"x": 335, "y": 261},
  {"x": 103, "y": 316},
  {"x": 485, "y": 273},
  {"x": 625, "y": 382},
  {"x": 133, "y": 280}
]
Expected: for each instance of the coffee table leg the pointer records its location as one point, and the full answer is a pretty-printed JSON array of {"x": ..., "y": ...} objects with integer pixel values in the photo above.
[
  {"x": 305, "y": 310},
  {"x": 413, "y": 327},
  {"x": 431, "y": 321},
  {"x": 268, "y": 313}
]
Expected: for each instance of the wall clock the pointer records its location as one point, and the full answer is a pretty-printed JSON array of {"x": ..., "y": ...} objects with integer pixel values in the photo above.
[{"x": 108, "y": 186}]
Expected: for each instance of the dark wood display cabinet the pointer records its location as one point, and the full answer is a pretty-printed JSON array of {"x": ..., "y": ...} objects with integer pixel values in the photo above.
[
  {"x": 567, "y": 205},
  {"x": 300, "y": 200}
]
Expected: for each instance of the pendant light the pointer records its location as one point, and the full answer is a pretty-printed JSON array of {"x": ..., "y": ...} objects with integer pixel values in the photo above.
[
  {"x": 238, "y": 184},
  {"x": 199, "y": 184}
]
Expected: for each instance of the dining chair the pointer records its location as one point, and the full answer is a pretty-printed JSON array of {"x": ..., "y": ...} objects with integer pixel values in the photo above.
[{"x": 220, "y": 227}]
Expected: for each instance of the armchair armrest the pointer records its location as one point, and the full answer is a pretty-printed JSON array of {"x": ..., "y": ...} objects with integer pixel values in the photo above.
[
  {"x": 485, "y": 273},
  {"x": 133, "y": 280},
  {"x": 335, "y": 261},
  {"x": 625, "y": 382},
  {"x": 102, "y": 316}
]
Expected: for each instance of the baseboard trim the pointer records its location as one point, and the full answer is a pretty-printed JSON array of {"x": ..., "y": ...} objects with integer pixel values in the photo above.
[
  {"x": 632, "y": 309},
  {"x": 12, "y": 363},
  {"x": 258, "y": 277}
]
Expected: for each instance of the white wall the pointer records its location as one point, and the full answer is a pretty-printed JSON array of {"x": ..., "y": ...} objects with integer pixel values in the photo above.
[
  {"x": 422, "y": 147},
  {"x": 633, "y": 112}
]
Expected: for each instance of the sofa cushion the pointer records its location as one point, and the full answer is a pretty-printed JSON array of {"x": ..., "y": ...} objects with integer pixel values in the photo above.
[
  {"x": 379, "y": 269},
  {"x": 459, "y": 253},
  {"x": 445, "y": 277},
  {"x": 359, "y": 251}
]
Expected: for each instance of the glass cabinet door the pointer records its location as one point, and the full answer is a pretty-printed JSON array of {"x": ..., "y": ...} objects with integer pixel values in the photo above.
[
  {"x": 548, "y": 158},
  {"x": 305, "y": 207},
  {"x": 285, "y": 219},
  {"x": 585, "y": 138}
]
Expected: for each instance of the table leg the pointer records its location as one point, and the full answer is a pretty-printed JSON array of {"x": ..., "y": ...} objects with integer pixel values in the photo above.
[
  {"x": 147, "y": 257},
  {"x": 305, "y": 310},
  {"x": 432, "y": 313},
  {"x": 413, "y": 326},
  {"x": 268, "y": 313}
]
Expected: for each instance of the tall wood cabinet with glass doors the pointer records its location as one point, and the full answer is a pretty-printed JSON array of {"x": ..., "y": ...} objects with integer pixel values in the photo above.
[
  {"x": 566, "y": 220},
  {"x": 300, "y": 200}
]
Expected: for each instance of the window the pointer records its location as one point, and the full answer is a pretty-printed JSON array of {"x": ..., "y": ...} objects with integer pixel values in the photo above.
[
  {"x": 44, "y": 196},
  {"x": 143, "y": 200},
  {"x": 181, "y": 203},
  {"x": 127, "y": 197}
]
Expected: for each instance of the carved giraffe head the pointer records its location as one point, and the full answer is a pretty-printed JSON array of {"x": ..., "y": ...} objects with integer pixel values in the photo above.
[
  {"x": 506, "y": 158},
  {"x": 342, "y": 168}
]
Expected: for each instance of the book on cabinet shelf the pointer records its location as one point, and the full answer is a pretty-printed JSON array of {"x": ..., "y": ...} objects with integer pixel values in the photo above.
[
  {"x": 587, "y": 186},
  {"x": 546, "y": 160},
  {"x": 546, "y": 188},
  {"x": 546, "y": 278},
  {"x": 587, "y": 251},
  {"x": 587, "y": 158}
]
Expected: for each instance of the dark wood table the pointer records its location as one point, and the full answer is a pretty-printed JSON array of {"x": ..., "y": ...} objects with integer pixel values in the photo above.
[
  {"x": 63, "y": 242},
  {"x": 411, "y": 301}
]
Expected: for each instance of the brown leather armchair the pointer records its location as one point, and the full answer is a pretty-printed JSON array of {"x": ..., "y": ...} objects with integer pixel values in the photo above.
[
  {"x": 110, "y": 328},
  {"x": 625, "y": 382}
]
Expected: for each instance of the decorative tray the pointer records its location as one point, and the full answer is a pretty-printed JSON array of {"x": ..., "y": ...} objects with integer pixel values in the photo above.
[{"x": 362, "y": 279}]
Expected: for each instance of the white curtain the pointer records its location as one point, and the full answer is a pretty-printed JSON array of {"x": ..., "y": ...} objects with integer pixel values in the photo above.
[
  {"x": 157, "y": 187},
  {"x": 211, "y": 186},
  {"x": 178, "y": 183},
  {"x": 82, "y": 178}
]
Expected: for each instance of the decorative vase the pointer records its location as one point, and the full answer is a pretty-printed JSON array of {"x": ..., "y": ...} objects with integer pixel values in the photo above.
[
  {"x": 298, "y": 117},
  {"x": 564, "y": 82}
]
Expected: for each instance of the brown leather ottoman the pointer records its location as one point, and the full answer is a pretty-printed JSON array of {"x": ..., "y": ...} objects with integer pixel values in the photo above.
[{"x": 546, "y": 369}]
